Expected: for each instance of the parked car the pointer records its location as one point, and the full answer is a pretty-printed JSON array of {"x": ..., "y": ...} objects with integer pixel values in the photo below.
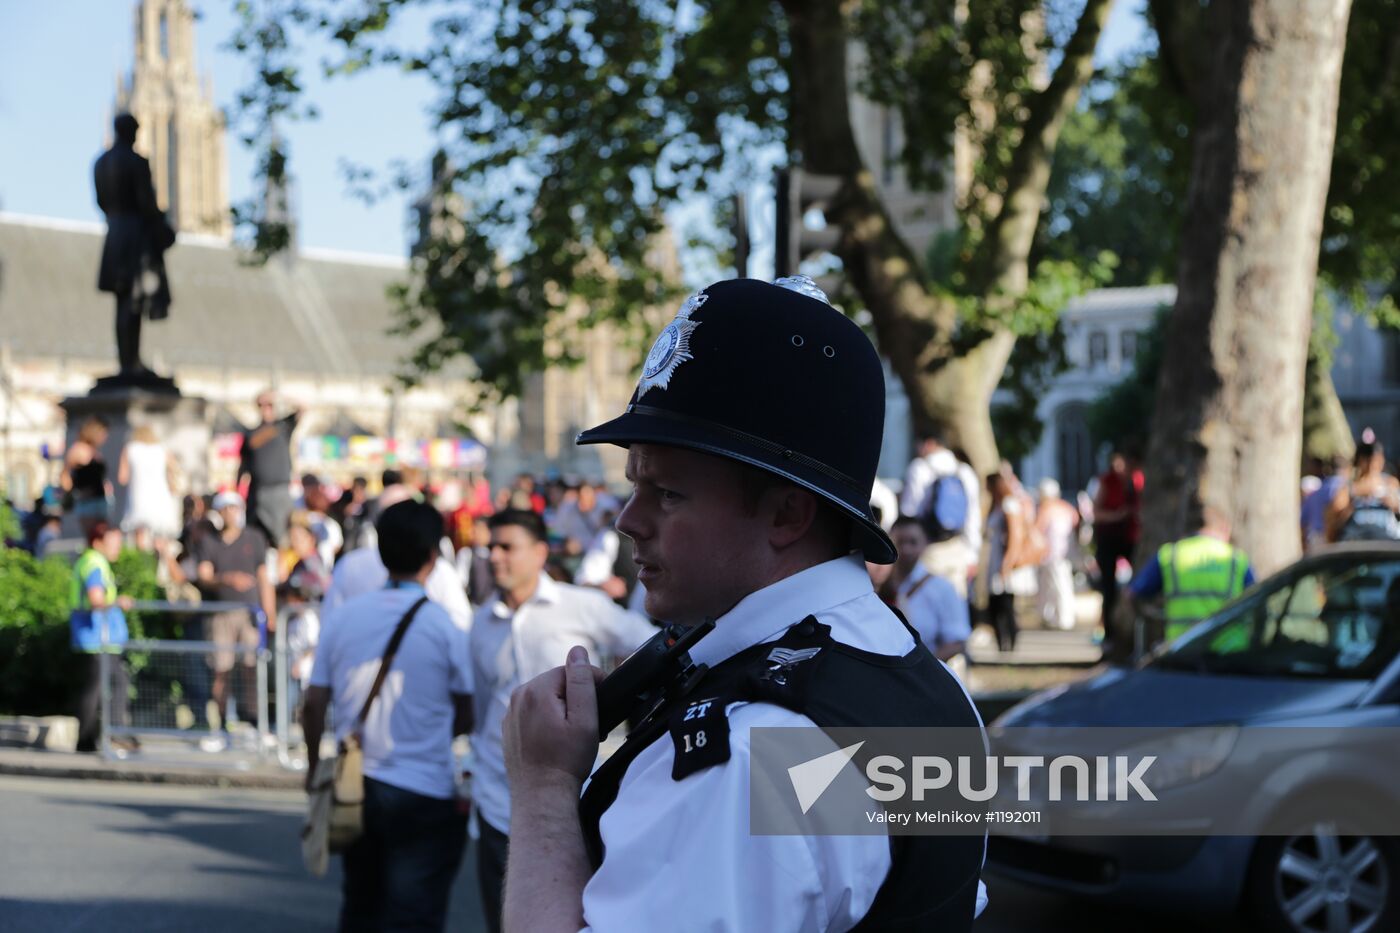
[{"x": 1315, "y": 645}]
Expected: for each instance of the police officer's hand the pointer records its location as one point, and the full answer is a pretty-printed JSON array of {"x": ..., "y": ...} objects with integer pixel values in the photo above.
[{"x": 551, "y": 730}]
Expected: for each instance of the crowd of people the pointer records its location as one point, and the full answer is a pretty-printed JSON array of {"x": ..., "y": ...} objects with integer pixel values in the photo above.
[
  {"x": 499, "y": 585},
  {"x": 992, "y": 542}
]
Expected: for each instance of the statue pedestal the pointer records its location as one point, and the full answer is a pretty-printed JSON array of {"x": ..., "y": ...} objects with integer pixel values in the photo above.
[
  {"x": 135, "y": 382},
  {"x": 180, "y": 423}
]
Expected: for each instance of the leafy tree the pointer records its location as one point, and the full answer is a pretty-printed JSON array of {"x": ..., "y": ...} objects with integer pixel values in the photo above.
[
  {"x": 571, "y": 127},
  {"x": 39, "y": 673},
  {"x": 1121, "y": 169}
]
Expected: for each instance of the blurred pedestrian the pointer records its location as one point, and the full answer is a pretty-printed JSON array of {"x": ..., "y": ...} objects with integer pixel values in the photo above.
[
  {"x": 349, "y": 512},
  {"x": 266, "y": 462},
  {"x": 1312, "y": 515},
  {"x": 1010, "y": 572},
  {"x": 1196, "y": 575},
  {"x": 97, "y": 625},
  {"x": 398, "y": 873},
  {"x": 474, "y": 564},
  {"x": 84, "y": 478},
  {"x": 1368, "y": 507},
  {"x": 232, "y": 568},
  {"x": 527, "y": 628},
  {"x": 1116, "y": 526},
  {"x": 1056, "y": 521},
  {"x": 316, "y": 502},
  {"x": 930, "y": 604},
  {"x": 148, "y": 472},
  {"x": 951, "y": 515}
]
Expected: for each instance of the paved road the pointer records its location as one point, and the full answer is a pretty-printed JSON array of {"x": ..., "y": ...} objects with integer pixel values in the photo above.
[{"x": 79, "y": 856}]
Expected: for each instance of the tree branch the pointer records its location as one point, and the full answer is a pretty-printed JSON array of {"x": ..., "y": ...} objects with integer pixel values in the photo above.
[{"x": 1007, "y": 245}]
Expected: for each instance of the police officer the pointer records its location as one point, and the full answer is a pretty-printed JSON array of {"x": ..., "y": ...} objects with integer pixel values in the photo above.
[
  {"x": 753, "y": 438},
  {"x": 1196, "y": 575}
]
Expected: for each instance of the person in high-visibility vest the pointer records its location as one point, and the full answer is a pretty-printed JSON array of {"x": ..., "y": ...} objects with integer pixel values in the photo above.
[
  {"x": 1195, "y": 575},
  {"x": 97, "y": 625}
]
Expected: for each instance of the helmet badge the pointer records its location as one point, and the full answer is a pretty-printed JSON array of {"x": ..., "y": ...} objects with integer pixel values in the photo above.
[{"x": 672, "y": 348}]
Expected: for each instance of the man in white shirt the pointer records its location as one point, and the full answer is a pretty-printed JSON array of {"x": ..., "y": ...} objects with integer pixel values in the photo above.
[
  {"x": 526, "y": 629},
  {"x": 398, "y": 874},
  {"x": 956, "y": 559},
  {"x": 751, "y": 449}
]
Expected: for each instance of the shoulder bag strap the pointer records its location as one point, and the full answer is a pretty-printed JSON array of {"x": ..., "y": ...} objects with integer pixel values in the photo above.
[{"x": 388, "y": 659}]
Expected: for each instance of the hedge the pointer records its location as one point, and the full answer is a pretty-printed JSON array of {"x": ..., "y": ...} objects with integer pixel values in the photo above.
[{"x": 39, "y": 674}]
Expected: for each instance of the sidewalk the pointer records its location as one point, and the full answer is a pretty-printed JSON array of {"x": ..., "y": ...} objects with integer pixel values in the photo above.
[
  {"x": 195, "y": 770},
  {"x": 1037, "y": 647}
]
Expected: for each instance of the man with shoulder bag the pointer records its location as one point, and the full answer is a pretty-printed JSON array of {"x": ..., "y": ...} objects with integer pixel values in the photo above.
[{"x": 397, "y": 671}]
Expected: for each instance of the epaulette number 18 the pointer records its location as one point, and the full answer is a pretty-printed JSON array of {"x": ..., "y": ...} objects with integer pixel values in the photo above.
[{"x": 700, "y": 732}]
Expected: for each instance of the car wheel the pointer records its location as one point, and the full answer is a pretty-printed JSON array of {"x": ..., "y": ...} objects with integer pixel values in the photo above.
[{"x": 1321, "y": 880}]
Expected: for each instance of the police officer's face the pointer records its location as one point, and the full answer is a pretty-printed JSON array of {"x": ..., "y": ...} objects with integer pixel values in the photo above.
[
  {"x": 516, "y": 557},
  {"x": 698, "y": 549}
]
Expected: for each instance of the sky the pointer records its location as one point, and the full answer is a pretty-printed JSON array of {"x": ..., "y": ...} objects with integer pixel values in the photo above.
[{"x": 59, "y": 61}]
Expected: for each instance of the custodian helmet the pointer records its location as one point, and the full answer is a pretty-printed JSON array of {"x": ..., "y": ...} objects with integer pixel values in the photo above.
[{"x": 773, "y": 376}]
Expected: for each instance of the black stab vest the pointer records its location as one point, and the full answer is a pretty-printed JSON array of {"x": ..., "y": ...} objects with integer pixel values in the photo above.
[{"x": 932, "y": 882}]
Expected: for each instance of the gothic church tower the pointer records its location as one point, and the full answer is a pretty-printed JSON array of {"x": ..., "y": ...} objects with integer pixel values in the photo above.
[{"x": 182, "y": 132}]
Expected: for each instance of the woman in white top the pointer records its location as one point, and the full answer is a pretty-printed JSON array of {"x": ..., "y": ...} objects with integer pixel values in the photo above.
[{"x": 148, "y": 472}]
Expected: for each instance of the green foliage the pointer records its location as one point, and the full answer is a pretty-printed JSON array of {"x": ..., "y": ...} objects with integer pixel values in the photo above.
[
  {"x": 135, "y": 572},
  {"x": 1120, "y": 175},
  {"x": 9, "y": 522},
  {"x": 1123, "y": 164},
  {"x": 39, "y": 674},
  {"x": 1122, "y": 416},
  {"x": 570, "y": 129},
  {"x": 1360, "y": 254}
]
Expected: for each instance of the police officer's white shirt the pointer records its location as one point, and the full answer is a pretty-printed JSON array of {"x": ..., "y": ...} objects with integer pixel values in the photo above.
[
  {"x": 509, "y": 649},
  {"x": 362, "y": 571},
  {"x": 407, "y": 737},
  {"x": 681, "y": 851}
]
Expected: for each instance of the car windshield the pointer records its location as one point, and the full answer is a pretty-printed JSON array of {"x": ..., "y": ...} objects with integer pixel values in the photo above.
[{"x": 1338, "y": 619}]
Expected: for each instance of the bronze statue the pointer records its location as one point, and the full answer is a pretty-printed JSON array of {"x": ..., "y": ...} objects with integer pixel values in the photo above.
[{"x": 133, "y": 254}]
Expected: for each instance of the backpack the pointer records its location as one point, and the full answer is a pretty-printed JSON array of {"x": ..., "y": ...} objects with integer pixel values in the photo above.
[
  {"x": 944, "y": 514},
  {"x": 1370, "y": 520}
]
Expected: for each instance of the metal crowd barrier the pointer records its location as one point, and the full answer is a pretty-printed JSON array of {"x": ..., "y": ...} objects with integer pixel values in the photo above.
[
  {"x": 290, "y": 744},
  {"x": 174, "y": 670}
]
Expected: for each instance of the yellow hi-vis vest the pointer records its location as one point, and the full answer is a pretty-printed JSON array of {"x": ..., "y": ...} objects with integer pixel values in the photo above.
[{"x": 1199, "y": 575}]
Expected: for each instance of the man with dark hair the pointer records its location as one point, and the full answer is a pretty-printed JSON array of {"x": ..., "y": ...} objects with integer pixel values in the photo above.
[
  {"x": 525, "y": 629},
  {"x": 398, "y": 874},
  {"x": 748, "y": 376}
]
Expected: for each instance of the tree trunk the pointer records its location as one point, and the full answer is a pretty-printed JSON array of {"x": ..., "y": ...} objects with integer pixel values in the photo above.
[
  {"x": 958, "y": 400},
  {"x": 1227, "y": 431}
]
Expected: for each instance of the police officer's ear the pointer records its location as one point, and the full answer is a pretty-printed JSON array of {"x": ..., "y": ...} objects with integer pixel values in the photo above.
[{"x": 796, "y": 512}]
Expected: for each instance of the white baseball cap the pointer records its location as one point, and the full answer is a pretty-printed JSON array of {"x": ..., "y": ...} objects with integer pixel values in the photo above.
[{"x": 226, "y": 499}]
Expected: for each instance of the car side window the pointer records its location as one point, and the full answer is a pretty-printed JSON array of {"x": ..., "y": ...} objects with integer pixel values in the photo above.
[{"x": 1339, "y": 618}]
